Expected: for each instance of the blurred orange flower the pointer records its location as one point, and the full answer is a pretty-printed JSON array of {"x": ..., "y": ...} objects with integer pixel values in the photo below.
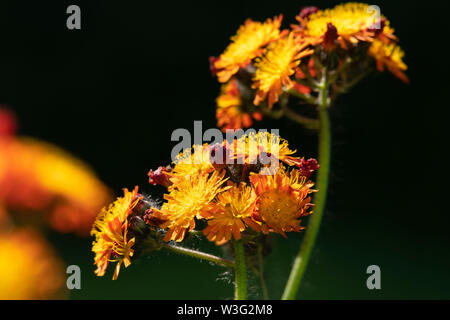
[
  {"x": 29, "y": 268},
  {"x": 39, "y": 177},
  {"x": 230, "y": 111},
  {"x": 389, "y": 55},
  {"x": 275, "y": 68},
  {"x": 351, "y": 23},
  {"x": 247, "y": 44}
]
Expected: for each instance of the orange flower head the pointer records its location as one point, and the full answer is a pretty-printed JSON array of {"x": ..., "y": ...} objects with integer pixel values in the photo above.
[
  {"x": 265, "y": 147},
  {"x": 282, "y": 200},
  {"x": 230, "y": 113},
  {"x": 191, "y": 162},
  {"x": 110, "y": 229},
  {"x": 389, "y": 55},
  {"x": 29, "y": 267},
  {"x": 246, "y": 45},
  {"x": 274, "y": 69},
  {"x": 190, "y": 197},
  {"x": 38, "y": 177},
  {"x": 354, "y": 22},
  {"x": 233, "y": 211}
]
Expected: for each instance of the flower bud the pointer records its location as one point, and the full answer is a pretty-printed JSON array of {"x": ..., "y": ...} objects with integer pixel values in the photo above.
[
  {"x": 219, "y": 156},
  {"x": 307, "y": 167},
  {"x": 151, "y": 220},
  {"x": 307, "y": 11},
  {"x": 330, "y": 37},
  {"x": 8, "y": 123},
  {"x": 137, "y": 225},
  {"x": 160, "y": 176}
]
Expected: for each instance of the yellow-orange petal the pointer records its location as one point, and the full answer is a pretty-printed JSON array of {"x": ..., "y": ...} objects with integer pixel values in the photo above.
[
  {"x": 232, "y": 208},
  {"x": 247, "y": 44},
  {"x": 273, "y": 70},
  {"x": 190, "y": 197},
  {"x": 389, "y": 55},
  {"x": 282, "y": 201}
]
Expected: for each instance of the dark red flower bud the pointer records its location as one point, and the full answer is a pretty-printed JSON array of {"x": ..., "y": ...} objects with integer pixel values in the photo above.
[
  {"x": 212, "y": 68},
  {"x": 8, "y": 123},
  {"x": 307, "y": 11},
  {"x": 307, "y": 167},
  {"x": 160, "y": 176},
  {"x": 330, "y": 37},
  {"x": 151, "y": 220},
  {"x": 137, "y": 225},
  {"x": 219, "y": 156}
]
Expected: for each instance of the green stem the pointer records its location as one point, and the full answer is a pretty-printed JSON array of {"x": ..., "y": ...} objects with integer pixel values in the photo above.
[
  {"x": 240, "y": 271},
  {"x": 274, "y": 114},
  {"x": 305, "y": 97},
  {"x": 301, "y": 260},
  {"x": 261, "y": 273},
  {"x": 346, "y": 87},
  {"x": 305, "y": 121},
  {"x": 199, "y": 255}
]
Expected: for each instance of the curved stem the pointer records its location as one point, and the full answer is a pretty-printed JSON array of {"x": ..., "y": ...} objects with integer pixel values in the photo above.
[
  {"x": 305, "y": 97},
  {"x": 274, "y": 114},
  {"x": 199, "y": 255},
  {"x": 240, "y": 271},
  {"x": 301, "y": 260},
  {"x": 305, "y": 121}
]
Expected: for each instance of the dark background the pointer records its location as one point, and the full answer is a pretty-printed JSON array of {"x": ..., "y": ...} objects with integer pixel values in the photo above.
[{"x": 113, "y": 92}]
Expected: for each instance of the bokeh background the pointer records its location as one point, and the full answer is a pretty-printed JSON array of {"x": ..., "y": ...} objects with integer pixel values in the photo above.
[{"x": 113, "y": 92}]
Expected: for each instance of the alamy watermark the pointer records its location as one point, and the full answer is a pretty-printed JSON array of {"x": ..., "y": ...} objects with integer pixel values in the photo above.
[
  {"x": 74, "y": 279},
  {"x": 258, "y": 147},
  {"x": 374, "y": 280},
  {"x": 375, "y": 19},
  {"x": 74, "y": 20}
]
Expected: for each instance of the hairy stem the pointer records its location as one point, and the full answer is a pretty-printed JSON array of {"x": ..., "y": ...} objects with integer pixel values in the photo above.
[
  {"x": 240, "y": 271},
  {"x": 261, "y": 273},
  {"x": 301, "y": 260},
  {"x": 199, "y": 255}
]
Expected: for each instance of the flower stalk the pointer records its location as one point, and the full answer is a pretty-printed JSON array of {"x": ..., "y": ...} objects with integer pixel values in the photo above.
[
  {"x": 199, "y": 255},
  {"x": 302, "y": 258},
  {"x": 240, "y": 271},
  {"x": 262, "y": 279}
]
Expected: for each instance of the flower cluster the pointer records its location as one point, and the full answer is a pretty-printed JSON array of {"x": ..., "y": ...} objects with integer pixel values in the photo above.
[
  {"x": 263, "y": 62},
  {"x": 40, "y": 185},
  {"x": 253, "y": 184}
]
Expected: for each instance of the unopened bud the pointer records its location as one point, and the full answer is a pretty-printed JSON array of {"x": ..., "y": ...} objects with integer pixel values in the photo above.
[
  {"x": 160, "y": 176},
  {"x": 8, "y": 123},
  {"x": 137, "y": 225},
  {"x": 307, "y": 11},
  {"x": 151, "y": 220},
  {"x": 219, "y": 156},
  {"x": 308, "y": 167},
  {"x": 212, "y": 67},
  {"x": 330, "y": 37}
]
